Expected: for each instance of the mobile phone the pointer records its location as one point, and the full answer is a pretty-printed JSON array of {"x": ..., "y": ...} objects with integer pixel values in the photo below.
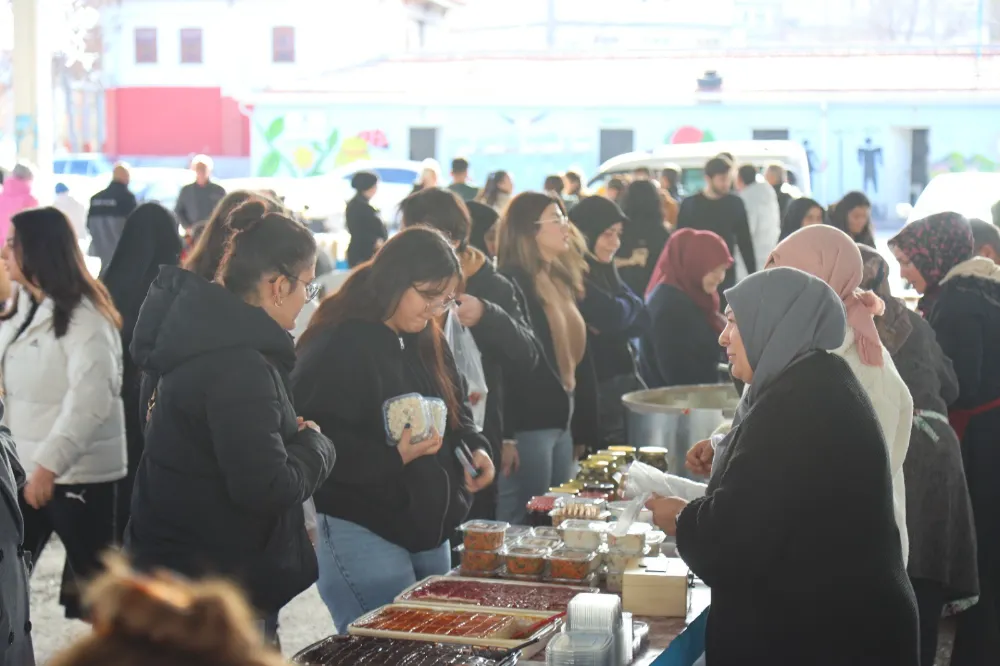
[{"x": 466, "y": 462}]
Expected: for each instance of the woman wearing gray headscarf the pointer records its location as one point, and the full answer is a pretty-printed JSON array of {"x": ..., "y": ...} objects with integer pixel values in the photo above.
[
  {"x": 796, "y": 534},
  {"x": 942, "y": 565}
]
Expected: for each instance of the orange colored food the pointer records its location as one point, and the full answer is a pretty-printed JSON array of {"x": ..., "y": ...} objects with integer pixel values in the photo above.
[
  {"x": 525, "y": 562},
  {"x": 570, "y": 567},
  {"x": 484, "y": 535},
  {"x": 480, "y": 561}
]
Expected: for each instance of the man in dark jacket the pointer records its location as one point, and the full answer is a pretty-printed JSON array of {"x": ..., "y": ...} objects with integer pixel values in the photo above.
[
  {"x": 109, "y": 209},
  {"x": 15, "y": 627},
  {"x": 197, "y": 200}
]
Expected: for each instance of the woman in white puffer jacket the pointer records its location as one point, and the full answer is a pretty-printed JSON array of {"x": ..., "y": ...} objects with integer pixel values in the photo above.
[{"x": 61, "y": 359}]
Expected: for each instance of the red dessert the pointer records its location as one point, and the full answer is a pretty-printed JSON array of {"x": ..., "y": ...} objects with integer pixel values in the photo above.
[
  {"x": 495, "y": 595},
  {"x": 433, "y": 622}
]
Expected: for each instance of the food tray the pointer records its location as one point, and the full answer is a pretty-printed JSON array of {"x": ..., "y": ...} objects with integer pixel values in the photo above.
[
  {"x": 558, "y": 593},
  {"x": 351, "y": 650},
  {"x": 408, "y": 408},
  {"x": 477, "y": 618}
]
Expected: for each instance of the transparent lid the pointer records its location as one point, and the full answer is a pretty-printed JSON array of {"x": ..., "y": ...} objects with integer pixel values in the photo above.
[
  {"x": 527, "y": 552},
  {"x": 580, "y": 643},
  {"x": 547, "y": 532},
  {"x": 567, "y": 555},
  {"x": 655, "y": 538},
  {"x": 519, "y": 531},
  {"x": 539, "y": 542},
  {"x": 488, "y": 526},
  {"x": 584, "y": 526}
]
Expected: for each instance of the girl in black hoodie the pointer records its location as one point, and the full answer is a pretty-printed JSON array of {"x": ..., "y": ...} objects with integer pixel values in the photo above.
[
  {"x": 386, "y": 515},
  {"x": 615, "y": 315}
]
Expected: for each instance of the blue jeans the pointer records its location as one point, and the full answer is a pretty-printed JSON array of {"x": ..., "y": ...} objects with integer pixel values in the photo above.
[
  {"x": 360, "y": 571},
  {"x": 546, "y": 460}
]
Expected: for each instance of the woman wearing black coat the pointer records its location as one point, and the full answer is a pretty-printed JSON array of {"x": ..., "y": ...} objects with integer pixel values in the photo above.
[
  {"x": 489, "y": 307},
  {"x": 614, "y": 314},
  {"x": 149, "y": 240},
  {"x": 961, "y": 301},
  {"x": 367, "y": 229},
  {"x": 228, "y": 463},
  {"x": 797, "y": 488}
]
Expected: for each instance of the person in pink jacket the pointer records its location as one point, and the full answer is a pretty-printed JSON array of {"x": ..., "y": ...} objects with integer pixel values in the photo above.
[{"x": 15, "y": 197}]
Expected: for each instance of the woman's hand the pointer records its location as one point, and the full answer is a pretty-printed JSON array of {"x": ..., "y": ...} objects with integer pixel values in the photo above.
[
  {"x": 481, "y": 462},
  {"x": 510, "y": 462},
  {"x": 303, "y": 424},
  {"x": 38, "y": 491},
  {"x": 699, "y": 458},
  {"x": 665, "y": 512},
  {"x": 470, "y": 310},
  {"x": 410, "y": 452}
]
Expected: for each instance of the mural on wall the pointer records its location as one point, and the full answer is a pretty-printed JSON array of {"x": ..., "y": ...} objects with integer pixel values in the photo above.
[
  {"x": 870, "y": 159},
  {"x": 301, "y": 157},
  {"x": 957, "y": 162},
  {"x": 689, "y": 134},
  {"x": 812, "y": 159}
]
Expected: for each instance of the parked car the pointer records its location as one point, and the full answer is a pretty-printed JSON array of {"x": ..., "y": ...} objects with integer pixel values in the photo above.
[{"x": 970, "y": 193}]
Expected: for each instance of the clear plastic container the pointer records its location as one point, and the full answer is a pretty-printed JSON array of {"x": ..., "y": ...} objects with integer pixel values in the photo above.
[
  {"x": 580, "y": 648},
  {"x": 621, "y": 561},
  {"x": 572, "y": 565},
  {"x": 439, "y": 413},
  {"x": 618, "y": 508},
  {"x": 484, "y": 534},
  {"x": 634, "y": 541},
  {"x": 583, "y": 534},
  {"x": 654, "y": 538},
  {"x": 548, "y": 532},
  {"x": 523, "y": 561},
  {"x": 517, "y": 532},
  {"x": 480, "y": 562},
  {"x": 547, "y": 543},
  {"x": 410, "y": 408}
]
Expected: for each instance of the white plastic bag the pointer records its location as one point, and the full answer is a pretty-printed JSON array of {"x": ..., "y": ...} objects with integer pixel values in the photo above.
[
  {"x": 309, "y": 509},
  {"x": 469, "y": 362},
  {"x": 644, "y": 479}
]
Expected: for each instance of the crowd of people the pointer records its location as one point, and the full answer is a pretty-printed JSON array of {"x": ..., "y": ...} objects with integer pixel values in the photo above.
[{"x": 164, "y": 407}]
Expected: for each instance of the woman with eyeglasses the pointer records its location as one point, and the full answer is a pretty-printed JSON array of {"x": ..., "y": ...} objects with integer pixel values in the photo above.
[
  {"x": 228, "y": 462},
  {"x": 553, "y": 409},
  {"x": 388, "y": 509}
]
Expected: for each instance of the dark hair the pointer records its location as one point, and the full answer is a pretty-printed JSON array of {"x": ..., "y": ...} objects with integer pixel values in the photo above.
[
  {"x": 263, "y": 242},
  {"x": 484, "y": 219},
  {"x": 717, "y": 166},
  {"x": 363, "y": 181},
  {"x": 49, "y": 256},
  {"x": 796, "y": 213},
  {"x": 372, "y": 293},
  {"x": 206, "y": 256},
  {"x": 840, "y": 210},
  {"x": 728, "y": 157},
  {"x": 554, "y": 183},
  {"x": 491, "y": 190},
  {"x": 616, "y": 183},
  {"x": 440, "y": 209},
  {"x": 575, "y": 179},
  {"x": 984, "y": 233},
  {"x": 747, "y": 174},
  {"x": 460, "y": 165},
  {"x": 643, "y": 204}
]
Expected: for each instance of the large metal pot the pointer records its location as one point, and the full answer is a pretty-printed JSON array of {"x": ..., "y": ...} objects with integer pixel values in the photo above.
[{"x": 677, "y": 417}]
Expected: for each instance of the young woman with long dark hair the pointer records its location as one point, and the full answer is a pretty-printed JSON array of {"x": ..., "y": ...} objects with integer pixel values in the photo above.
[
  {"x": 801, "y": 212},
  {"x": 227, "y": 462},
  {"x": 149, "y": 240},
  {"x": 553, "y": 409},
  {"x": 388, "y": 509},
  {"x": 205, "y": 257},
  {"x": 62, "y": 375},
  {"x": 645, "y": 237},
  {"x": 853, "y": 216},
  {"x": 497, "y": 192}
]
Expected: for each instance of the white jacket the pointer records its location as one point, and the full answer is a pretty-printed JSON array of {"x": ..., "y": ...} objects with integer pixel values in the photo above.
[
  {"x": 893, "y": 407},
  {"x": 764, "y": 217},
  {"x": 63, "y": 396}
]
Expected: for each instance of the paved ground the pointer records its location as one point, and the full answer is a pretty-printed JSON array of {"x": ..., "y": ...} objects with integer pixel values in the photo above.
[{"x": 303, "y": 622}]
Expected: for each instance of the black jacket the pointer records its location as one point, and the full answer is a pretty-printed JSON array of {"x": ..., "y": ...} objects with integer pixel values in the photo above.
[
  {"x": 727, "y": 217},
  {"x": 614, "y": 316},
  {"x": 504, "y": 339},
  {"x": 762, "y": 536},
  {"x": 680, "y": 348},
  {"x": 366, "y": 229},
  {"x": 536, "y": 400},
  {"x": 342, "y": 379},
  {"x": 225, "y": 470},
  {"x": 109, "y": 209}
]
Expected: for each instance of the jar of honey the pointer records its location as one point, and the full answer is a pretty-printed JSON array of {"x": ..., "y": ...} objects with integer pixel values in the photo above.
[{"x": 654, "y": 456}]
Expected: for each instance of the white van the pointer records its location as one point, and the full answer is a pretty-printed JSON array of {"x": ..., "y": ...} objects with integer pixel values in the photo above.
[{"x": 691, "y": 158}]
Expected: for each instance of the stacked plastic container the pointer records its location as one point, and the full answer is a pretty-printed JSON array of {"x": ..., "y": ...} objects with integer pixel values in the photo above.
[
  {"x": 482, "y": 550},
  {"x": 581, "y": 648},
  {"x": 602, "y": 614}
]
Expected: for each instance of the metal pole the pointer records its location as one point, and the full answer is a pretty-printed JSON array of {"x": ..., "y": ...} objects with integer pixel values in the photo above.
[{"x": 34, "y": 124}]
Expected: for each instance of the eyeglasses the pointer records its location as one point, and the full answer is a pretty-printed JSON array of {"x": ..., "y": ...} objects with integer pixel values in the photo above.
[
  {"x": 312, "y": 288},
  {"x": 560, "y": 220},
  {"x": 438, "y": 308}
]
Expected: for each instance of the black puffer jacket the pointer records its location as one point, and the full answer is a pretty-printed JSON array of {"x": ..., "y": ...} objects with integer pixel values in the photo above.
[{"x": 225, "y": 470}]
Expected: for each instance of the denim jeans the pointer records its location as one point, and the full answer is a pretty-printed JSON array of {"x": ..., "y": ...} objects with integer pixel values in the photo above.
[
  {"x": 546, "y": 460},
  {"x": 360, "y": 571}
]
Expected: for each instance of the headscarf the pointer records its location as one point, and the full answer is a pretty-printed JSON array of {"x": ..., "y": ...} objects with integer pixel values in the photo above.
[
  {"x": 796, "y": 213},
  {"x": 592, "y": 217},
  {"x": 830, "y": 254},
  {"x": 483, "y": 218},
  {"x": 363, "y": 181},
  {"x": 149, "y": 240},
  {"x": 935, "y": 245},
  {"x": 688, "y": 257},
  {"x": 894, "y": 325},
  {"x": 782, "y": 314}
]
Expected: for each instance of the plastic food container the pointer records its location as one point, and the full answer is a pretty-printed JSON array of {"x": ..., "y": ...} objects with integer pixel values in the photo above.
[
  {"x": 548, "y": 532},
  {"x": 654, "y": 538},
  {"x": 572, "y": 565},
  {"x": 479, "y": 562},
  {"x": 522, "y": 561},
  {"x": 580, "y": 648},
  {"x": 484, "y": 534},
  {"x": 439, "y": 413},
  {"x": 410, "y": 408},
  {"x": 633, "y": 542},
  {"x": 547, "y": 543},
  {"x": 583, "y": 534},
  {"x": 517, "y": 532},
  {"x": 614, "y": 581},
  {"x": 619, "y": 561},
  {"x": 618, "y": 508}
]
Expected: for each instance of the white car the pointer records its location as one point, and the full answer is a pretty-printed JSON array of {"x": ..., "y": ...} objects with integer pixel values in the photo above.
[
  {"x": 970, "y": 193},
  {"x": 159, "y": 184}
]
